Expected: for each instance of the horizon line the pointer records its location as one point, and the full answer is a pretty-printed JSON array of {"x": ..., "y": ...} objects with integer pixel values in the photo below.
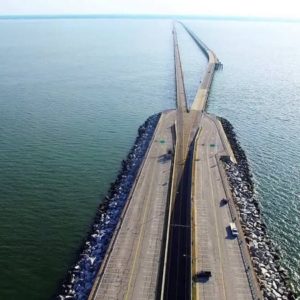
[{"x": 146, "y": 16}]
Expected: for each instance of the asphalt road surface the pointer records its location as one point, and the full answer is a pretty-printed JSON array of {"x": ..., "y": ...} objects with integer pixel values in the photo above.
[{"x": 178, "y": 269}]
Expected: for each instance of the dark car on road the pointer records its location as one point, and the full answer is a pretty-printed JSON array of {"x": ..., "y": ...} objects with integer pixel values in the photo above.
[
  {"x": 224, "y": 201},
  {"x": 202, "y": 276}
]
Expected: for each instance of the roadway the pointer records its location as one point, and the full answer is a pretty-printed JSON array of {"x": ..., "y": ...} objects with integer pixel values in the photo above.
[
  {"x": 178, "y": 267},
  {"x": 199, "y": 238},
  {"x": 173, "y": 225},
  {"x": 132, "y": 267},
  {"x": 214, "y": 248}
]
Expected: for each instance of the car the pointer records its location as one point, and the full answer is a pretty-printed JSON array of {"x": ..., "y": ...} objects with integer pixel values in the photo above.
[
  {"x": 233, "y": 229},
  {"x": 203, "y": 274}
]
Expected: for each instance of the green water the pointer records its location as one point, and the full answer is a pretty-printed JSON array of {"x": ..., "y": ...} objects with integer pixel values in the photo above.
[{"x": 72, "y": 95}]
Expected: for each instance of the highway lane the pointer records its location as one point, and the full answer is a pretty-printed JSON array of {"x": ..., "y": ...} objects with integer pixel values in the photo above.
[
  {"x": 131, "y": 270},
  {"x": 178, "y": 269},
  {"x": 214, "y": 248}
]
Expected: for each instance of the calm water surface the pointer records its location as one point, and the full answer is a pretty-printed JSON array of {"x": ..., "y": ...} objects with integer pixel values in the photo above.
[{"x": 72, "y": 95}]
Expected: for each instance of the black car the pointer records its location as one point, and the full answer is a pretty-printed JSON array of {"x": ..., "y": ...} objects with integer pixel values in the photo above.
[
  {"x": 202, "y": 276},
  {"x": 224, "y": 201}
]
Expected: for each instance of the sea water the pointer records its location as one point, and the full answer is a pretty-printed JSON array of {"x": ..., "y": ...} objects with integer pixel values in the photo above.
[{"x": 72, "y": 95}]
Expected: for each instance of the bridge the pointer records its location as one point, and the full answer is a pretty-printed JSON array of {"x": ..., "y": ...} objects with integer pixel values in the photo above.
[{"x": 173, "y": 225}]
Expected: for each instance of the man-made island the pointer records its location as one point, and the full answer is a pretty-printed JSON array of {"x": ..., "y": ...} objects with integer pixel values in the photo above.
[{"x": 181, "y": 221}]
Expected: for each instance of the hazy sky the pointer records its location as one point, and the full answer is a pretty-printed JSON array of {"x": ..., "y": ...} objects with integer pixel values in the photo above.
[{"x": 265, "y": 8}]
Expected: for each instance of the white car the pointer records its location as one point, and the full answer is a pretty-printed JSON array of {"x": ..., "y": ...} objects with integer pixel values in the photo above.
[{"x": 233, "y": 229}]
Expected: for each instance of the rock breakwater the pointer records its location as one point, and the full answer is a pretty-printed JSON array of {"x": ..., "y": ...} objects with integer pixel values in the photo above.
[
  {"x": 80, "y": 278},
  {"x": 272, "y": 278}
]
